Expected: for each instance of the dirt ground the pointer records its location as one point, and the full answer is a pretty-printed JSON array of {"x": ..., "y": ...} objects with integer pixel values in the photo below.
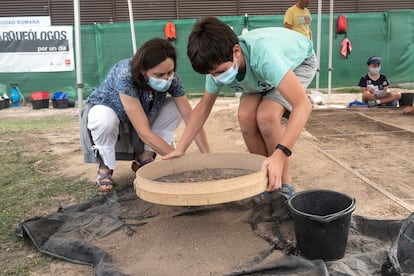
[{"x": 363, "y": 152}]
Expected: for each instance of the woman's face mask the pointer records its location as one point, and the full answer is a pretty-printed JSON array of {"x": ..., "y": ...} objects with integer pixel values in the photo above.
[
  {"x": 228, "y": 76},
  {"x": 161, "y": 85},
  {"x": 375, "y": 70}
]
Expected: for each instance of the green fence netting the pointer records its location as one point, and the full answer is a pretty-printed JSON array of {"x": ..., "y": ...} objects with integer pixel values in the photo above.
[{"x": 387, "y": 34}]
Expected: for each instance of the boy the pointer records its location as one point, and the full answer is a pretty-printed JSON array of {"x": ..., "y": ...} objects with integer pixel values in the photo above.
[
  {"x": 272, "y": 67},
  {"x": 374, "y": 86}
]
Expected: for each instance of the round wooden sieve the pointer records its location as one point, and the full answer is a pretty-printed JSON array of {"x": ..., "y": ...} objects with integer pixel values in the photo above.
[{"x": 203, "y": 192}]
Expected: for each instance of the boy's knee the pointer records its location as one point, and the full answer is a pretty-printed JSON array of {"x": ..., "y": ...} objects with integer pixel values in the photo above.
[
  {"x": 247, "y": 126},
  {"x": 271, "y": 119},
  {"x": 244, "y": 117},
  {"x": 247, "y": 119}
]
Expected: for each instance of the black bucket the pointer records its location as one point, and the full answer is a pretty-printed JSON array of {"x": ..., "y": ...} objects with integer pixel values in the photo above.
[
  {"x": 321, "y": 219},
  {"x": 407, "y": 99}
]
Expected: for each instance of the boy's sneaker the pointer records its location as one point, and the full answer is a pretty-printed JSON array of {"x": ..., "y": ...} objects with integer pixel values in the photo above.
[
  {"x": 287, "y": 190},
  {"x": 372, "y": 103},
  {"x": 260, "y": 197}
]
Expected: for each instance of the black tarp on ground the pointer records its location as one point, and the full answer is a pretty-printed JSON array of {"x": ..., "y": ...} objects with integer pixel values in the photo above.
[{"x": 374, "y": 247}]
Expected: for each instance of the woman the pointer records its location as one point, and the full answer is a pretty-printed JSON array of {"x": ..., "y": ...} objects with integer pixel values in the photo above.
[{"x": 146, "y": 92}]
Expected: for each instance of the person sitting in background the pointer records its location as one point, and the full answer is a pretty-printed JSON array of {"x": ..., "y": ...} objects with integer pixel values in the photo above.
[
  {"x": 147, "y": 94},
  {"x": 374, "y": 86},
  {"x": 298, "y": 18}
]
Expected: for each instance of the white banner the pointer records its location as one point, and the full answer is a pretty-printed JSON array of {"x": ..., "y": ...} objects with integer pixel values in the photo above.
[
  {"x": 25, "y": 21},
  {"x": 36, "y": 49}
]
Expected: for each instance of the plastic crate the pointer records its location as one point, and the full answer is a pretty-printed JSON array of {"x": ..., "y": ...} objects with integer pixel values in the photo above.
[
  {"x": 38, "y": 104},
  {"x": 40, "y": 95},
  {"x": 62, "y": 103}
]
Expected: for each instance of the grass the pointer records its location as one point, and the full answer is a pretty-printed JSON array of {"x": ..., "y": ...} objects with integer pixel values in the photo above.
[{"x": 31, "y": 186}]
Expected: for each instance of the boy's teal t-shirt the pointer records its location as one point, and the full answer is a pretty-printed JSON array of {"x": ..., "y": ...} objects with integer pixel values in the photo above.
[{"x": 269, "y": 53}]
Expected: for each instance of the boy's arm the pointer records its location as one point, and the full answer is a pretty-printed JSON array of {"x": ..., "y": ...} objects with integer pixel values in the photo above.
[
  {"x": 385, "y": 87},
  {"x": 293, "y": 92},
  {"x": 363, "y": 85},
  {"x": 196, "y": 121}
]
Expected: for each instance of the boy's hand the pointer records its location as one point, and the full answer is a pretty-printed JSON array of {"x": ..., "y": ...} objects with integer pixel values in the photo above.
[
  {"x": 274, "y": 167},
  {"x": 381, "y": 93}
]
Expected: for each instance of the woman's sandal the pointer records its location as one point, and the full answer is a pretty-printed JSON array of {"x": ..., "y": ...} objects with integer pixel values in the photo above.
[
  {"x": 104, "y": 183},
  {"x": 136, "y": 164}
]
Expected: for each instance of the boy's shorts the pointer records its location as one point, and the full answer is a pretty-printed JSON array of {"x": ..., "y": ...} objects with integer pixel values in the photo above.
[{"x": 305, "y": 73}]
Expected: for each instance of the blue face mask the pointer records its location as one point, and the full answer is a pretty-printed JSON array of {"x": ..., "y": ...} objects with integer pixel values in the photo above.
[
  {"x": 160, "y": 85},
  {"x": 228, "y": 76},
  {"x": 375, "y": 70}
]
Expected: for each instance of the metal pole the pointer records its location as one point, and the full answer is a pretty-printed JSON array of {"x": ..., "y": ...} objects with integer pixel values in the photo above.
[
  {"x": 131, "y": 22},
  {"x": 318, "y": 44},
  {"x": 330, "y": 48},
  {"x": 78, "y": 57}
]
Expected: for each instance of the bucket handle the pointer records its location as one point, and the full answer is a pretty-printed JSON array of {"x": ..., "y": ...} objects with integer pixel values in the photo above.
[{"x": 332, "y": 217}]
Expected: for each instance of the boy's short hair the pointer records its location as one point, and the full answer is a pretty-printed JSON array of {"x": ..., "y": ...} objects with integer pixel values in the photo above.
[{"x": 210, "y": 44}]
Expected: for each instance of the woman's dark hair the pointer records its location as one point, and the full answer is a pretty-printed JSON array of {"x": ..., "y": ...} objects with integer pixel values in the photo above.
[
  {"x": 149, "y": 55},
  {"x": 210, "y": 44}
]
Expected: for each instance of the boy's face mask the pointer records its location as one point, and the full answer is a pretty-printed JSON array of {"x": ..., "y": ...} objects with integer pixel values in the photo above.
[
  {"x": 160, "y": 85},
  {"x": 228, "y": 76},
  {"x": 375, "y": 70}
]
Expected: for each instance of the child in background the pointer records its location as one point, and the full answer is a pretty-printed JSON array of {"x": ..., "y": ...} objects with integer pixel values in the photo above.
[{"x": 374, "y": 86}]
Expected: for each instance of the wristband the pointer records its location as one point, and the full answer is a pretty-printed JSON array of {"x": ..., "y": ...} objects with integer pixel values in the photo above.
[{"x": 285, "y": 150}]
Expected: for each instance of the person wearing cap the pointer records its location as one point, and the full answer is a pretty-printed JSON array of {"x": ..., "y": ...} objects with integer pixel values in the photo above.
[{"x": 374, "y": 86}]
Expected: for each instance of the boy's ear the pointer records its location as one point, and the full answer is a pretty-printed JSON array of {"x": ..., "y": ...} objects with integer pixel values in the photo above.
[{"x": 236, "y": 49}]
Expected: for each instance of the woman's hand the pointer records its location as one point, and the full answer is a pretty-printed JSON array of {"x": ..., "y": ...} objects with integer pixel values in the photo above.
[{"x": 175, "y": 153}]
